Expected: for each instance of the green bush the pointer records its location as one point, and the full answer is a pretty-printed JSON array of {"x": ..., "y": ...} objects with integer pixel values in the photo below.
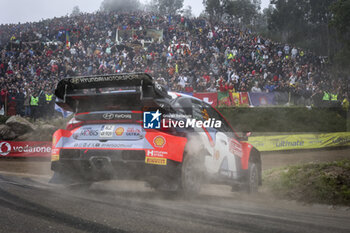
[
  {"x": 287, "y": 119},
  {"x": 327, "y": 183}
]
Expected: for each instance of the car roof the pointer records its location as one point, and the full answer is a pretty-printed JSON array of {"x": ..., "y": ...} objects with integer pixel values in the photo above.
[{"x": 175, "y": 95}]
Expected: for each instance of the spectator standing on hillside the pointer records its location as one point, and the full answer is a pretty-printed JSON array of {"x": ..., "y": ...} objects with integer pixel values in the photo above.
[
  {"x": 27, "y": 103},
  {"x": 20, "y": 102},
  {"x": 256, "y": 88},
  {"x": 34, "y": 106},
  {"x": 48, "y": 104}
]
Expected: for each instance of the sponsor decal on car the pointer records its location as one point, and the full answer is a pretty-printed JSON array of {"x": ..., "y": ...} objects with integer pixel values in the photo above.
[
  {"x": 131, "y": 131},
  {"x": 235, "y": 147},
  {"x": 55, "y": 155},
  {"x": 205, "y": 114},
  {"x": 156, "y": 161},
  {"x": 107, "y": 78},
  {"x": 159, "y": 141},
  {"x": 54, "y": 140},
  {"x": 88, "y": 131},
  {"x": 155, "y": 153},
  {"x": 111, "y": 116},
  {"x": 119, "y": 131},
  {"x": 107, "y": 131},
  {"x": 102, "y": 145}
]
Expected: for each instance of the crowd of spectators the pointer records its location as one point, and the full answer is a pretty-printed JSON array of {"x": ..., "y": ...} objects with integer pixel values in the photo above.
[{"x": 193, "y": 55}]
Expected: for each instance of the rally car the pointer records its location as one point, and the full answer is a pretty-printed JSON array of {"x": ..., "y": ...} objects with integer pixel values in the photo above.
[{"x": 127, "y": 126}]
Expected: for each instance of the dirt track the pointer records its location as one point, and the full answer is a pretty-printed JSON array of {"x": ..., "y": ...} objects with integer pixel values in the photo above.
[
  {"x": 280, "y": 159},
  {"x": 29, "y": 204}
]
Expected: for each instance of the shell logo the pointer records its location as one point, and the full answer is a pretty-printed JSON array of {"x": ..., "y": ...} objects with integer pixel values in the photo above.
[
  {"x": 159, "y": 141},
  {"x": 119, "y": 131}
]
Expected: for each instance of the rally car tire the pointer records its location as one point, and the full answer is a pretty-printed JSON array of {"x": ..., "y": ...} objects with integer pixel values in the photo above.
[
  {"x": 252, "y": 181},
  {"x": 191, "y": 175}
]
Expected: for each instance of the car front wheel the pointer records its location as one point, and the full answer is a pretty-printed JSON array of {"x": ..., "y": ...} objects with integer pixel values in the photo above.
[{"x": 252, "y": 181}]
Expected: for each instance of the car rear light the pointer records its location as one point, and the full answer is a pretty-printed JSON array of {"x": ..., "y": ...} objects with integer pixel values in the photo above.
[{"x": 73, "y": 123}]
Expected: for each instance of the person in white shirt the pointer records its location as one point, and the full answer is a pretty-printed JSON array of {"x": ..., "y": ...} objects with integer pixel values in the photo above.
[
  {"x": 294, "y": 53},
  {"x": 286, "y": 49},
  {"x": 256, "y": 88}
]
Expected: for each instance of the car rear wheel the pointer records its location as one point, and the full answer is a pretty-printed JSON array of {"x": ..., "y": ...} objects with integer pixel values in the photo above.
[{"x": 191, "y": 175}]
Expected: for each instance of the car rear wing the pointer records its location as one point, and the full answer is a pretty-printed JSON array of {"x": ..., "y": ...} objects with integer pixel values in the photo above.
[{"x": 73, "y": 89}]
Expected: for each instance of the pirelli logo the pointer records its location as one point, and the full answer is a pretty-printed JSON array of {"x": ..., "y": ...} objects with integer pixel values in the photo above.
[{"x": 156, "y": 161}]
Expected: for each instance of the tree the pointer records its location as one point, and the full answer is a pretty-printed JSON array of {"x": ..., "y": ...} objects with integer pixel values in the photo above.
[
  {"x": 244, "y": 10},
  {"x": 215, "y": 8},
  {"x": 120, "y": 5},
  {"x": 340, "y": 21},
  {"x": 75, "y": 11},
  {"x": 151, "y": 6},
  {"x": 304, "y": 23},
  {"x": 187, "y": 12},
  {"x": 168, "y": 7},
  {"x": 257, "y": 4}
]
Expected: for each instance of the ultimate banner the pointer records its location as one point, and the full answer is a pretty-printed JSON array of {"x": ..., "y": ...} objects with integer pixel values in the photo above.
[{"x": 300, "y": 141}]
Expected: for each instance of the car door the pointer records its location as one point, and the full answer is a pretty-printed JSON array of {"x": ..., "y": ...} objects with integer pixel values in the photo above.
[{"x": 226, "y": 148}]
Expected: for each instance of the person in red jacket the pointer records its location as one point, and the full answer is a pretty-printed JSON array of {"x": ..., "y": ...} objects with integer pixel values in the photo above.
[{"x": 4, "y": 98}]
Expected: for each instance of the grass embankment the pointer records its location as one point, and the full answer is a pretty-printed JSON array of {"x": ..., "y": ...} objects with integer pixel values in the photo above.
[
  {"x": 325, "y": 183},
  {"x": 287, "y": 119}
]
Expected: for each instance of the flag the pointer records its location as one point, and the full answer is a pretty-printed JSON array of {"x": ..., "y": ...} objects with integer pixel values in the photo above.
[
  {"x": 244, "y": 98},
  {"x": 208, "y": 97},
  {"x": 239, "y": 98},
  {"x": 235, "y": 98},
  {"x": 67, "y": 40},
  {"x": 64, "y": 113},
  {"x": 223, "y": 99}
]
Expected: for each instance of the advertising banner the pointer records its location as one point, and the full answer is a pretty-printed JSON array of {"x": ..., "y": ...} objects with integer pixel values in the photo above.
[
  {"x": 25, "y": 149},
  {"x": 300, "y": 141},
  {"x": 261, "y": 99},
  {"x": 208, "y": 97}
]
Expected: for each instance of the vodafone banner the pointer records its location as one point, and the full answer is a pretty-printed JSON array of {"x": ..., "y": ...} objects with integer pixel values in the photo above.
[
  {"x": 208, "y": 97},
  {"x": 25, "y": 149}
]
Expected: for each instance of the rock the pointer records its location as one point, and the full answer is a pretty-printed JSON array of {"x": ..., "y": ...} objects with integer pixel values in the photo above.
[
  {"x": 25, "y": 137},
  {"x": 19, "y": 125},
  {"x": 47, "y": 127},
  {"x": 6, "y": 133}
]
